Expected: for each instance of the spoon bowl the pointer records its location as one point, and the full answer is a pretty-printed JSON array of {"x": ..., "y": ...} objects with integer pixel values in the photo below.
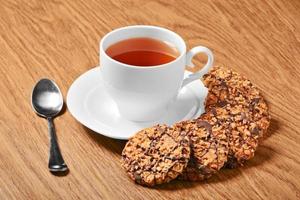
[{"x": 47, "y": 100}]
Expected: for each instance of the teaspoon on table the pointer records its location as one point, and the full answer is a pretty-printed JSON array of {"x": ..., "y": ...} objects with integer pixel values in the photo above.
[{"x": 47, "y": 102}]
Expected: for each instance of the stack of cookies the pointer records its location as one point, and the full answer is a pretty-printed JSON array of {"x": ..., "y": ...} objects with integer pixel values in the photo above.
[{"x": 226, "y": 135}]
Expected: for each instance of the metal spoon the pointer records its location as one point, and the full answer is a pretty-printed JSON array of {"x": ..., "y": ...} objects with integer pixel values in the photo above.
[{"x": 47, "y": 101}]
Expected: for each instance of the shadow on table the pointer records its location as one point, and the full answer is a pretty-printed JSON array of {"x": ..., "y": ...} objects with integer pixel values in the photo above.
[
  {"x": 263, "y": 154},
  {"x": 61, "y": 174},
  {"x": 63, "y": 110},
  {"x": 273, "y": 128},
  {"x": 113, "y": 145}
]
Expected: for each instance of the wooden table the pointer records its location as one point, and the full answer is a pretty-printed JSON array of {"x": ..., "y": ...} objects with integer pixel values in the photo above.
[{"x": 59, "y": 39}]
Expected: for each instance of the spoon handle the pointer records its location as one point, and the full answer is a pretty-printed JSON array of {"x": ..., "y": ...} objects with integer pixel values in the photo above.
[{"x": 56, "y": 161}]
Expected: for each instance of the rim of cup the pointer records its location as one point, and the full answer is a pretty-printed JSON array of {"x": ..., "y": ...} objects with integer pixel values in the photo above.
[{"x": 182, "y": 53}]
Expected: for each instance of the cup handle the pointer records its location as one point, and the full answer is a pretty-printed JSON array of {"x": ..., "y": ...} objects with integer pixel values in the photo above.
[{"x": 189, "y": 57}]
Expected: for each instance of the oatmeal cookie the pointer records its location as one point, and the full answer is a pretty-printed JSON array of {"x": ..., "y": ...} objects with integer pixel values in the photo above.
[
  {"x": 243, "y": 109},
  {"x": 156, "y": 155},
  {"x": 209, "y": 147}
]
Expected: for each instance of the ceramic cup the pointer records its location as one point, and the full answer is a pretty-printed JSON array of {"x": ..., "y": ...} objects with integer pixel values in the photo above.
[{"x": 144, "y": 93}]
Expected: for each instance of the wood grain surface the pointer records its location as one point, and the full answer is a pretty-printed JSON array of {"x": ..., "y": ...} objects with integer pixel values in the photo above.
[{"x": 59, "y": 39}]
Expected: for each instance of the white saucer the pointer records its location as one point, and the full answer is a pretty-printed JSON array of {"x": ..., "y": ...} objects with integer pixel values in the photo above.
[{"x": 89, "y": 103}]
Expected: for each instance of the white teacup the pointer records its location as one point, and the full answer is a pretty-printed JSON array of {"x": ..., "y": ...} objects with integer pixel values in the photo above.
[{"x": 144, "y": 93}]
